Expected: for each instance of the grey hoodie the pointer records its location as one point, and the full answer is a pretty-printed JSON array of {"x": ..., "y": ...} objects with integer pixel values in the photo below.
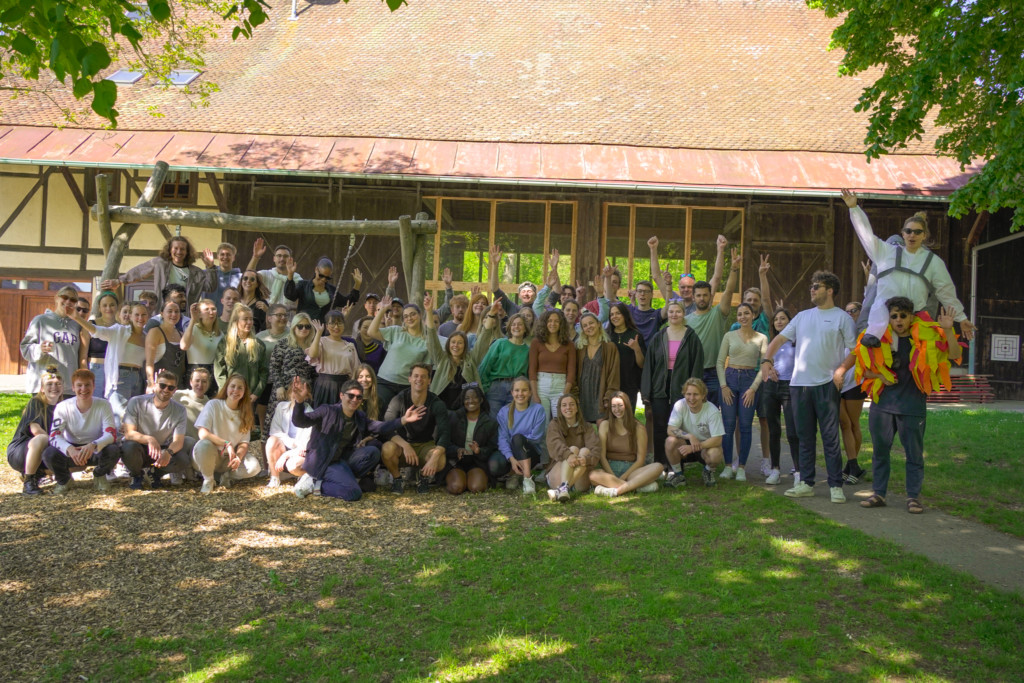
[{"x": 66, "y": 336}]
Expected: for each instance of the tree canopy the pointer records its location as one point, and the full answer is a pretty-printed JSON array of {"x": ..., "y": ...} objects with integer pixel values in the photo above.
[
  {"x": 70, "y": 44},
  {"x": 954, "y": 64}
]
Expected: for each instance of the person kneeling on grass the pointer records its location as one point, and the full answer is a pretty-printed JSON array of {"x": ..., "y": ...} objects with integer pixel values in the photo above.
[
  {"x": 901, "y": 406},
  {"x": 623, "y": 453},
  {"x": 696, "y": 431},
  {"x": 286, "y": 445},
  {"x": 573, "y": 446},
  {"x": 82, "y": 433},
  {"x": 224, "y": 426},
  {"x": 424, "y": 443},
  {"x": 154, "y": 433},
  {"x": 32, "y": 436},
  {"x": 341, "y": 449},
  {"x": 474, "y": 435}
]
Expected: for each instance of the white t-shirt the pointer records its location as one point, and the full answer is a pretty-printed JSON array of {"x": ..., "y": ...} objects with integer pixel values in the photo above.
[
  {"x": 222, "y": 421},
  {"x": 281, "y": 425},
  {"x": 274, "y": 282},
  {"x": 821, "y": 337},
  {"x": 72, "y": 427},
  {"x": 705, "y": 425}
]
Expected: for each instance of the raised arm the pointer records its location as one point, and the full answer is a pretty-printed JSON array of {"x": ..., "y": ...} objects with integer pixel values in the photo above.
[
  {"x": 873, "y": 246},
  {"x": 652, "y": 243},
  {"x": 762, "y": 275},
  {"x": 259, "y": 248},
  {"x": 186, "y": 338},
  {"x": 716, "y": 277},
  {"x": 725, "y": 305},
  {"x": 314, "y": 345},
  {"x": 374, "y": 330},
  {"x": 389, "y": 291}
]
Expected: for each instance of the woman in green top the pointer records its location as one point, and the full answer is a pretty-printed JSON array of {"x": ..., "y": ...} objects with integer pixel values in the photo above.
[
  {"x": 456, "y": 364},
  {"x": 241, "y": 353},
  {"x": 406, "y": 346},
  {"x": 505, "y": 360}
]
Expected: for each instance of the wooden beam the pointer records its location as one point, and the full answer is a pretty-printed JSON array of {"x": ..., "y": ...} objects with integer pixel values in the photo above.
[
  {"x": 75, "y": 190},
  {"x": 102, "y": 210},
  {"x": 224, "y": 221},
  {"x": 417, "y": 283},
  {"x": 408, "y": 245},
  {"x": 120, "y": 243},
  {"x": 135, "y": 186},
  {"x": 218, "y": 196}
]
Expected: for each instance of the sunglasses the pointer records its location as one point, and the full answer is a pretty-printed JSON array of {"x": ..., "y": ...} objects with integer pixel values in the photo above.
[
  {"x": 164, "y": 386},
  {"x": 82, "y": 310},
  {"x": 898, "y": 316},
  {"x": 853, "y": 311},
  {"x": 913, "y": 231},
  {"x": 321, "y": 276},
  {"x": 816, "y": 286},
  {"x": 354, "y": 397},
  {"x": 303, "y": 326},
  {"x": 65, "y": 297}
]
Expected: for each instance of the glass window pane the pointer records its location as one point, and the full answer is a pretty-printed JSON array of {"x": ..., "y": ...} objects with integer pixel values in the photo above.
[
  {"x": 708, "y": 224},
  {"x": 616, "y": 245},
  {"x": 519, "y": 233},
  {"x": 669, "y": 226},
  {"x": 465, "y": 234}
]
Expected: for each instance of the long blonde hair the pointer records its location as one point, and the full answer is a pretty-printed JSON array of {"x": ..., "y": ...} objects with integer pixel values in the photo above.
[
  {"x": 512, "y": 405},
  {"x": 297, "y": 319},
  {"x": 251, "y": 344}
]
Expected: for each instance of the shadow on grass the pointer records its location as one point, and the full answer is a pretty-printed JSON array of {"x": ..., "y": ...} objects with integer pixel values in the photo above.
[{"x": 724, "y": 583}]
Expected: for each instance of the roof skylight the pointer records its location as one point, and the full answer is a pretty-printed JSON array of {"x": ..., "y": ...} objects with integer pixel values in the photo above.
[
  {"x": 124, "y": 77},
  {"x": 184, "y": 77}
]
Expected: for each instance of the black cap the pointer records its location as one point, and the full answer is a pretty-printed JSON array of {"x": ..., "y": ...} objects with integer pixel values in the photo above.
[{"x": 372, "y": 295}]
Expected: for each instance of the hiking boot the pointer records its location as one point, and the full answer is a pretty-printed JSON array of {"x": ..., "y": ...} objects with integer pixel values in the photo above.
[
  {"x": 853, "y": 472},
  {"x": 741, "y": 474},
  {"x": 31, "y": 487},
  {"x": 512, "y": 482},
  {"x": 101, "y": 484},
  {"x": 801, "y": 490},
  {"x": 837, "y": 495},
  {"x": 708, "y": 475},
  {"x": 675, "y": 479},
  {"x": 773, "y": 478},
  {"x": 398, "y": 486},
  {"x": 423, "y": 485},
  {"x": 136, "y": 483}
]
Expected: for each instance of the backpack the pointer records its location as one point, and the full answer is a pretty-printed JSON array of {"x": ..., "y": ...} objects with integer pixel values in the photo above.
[{"x": 931, "y": 307}]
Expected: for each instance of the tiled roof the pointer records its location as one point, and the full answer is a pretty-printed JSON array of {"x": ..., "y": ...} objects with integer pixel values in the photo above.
[{"x": 696, "y": 74}]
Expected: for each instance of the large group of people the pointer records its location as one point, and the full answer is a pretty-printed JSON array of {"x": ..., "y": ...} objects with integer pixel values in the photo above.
[{"x": 467, "y": 392}]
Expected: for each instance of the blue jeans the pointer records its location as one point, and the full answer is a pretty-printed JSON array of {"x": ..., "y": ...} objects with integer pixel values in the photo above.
[
  {"x": 714, "y": 388},
  {"x": 499, "y": 395},
  {"x": 884, "y": 427},
  {"x": 817, "y": 408},
  {"x": 101, "y": 379},
  {"x": 738, "y": 382}
]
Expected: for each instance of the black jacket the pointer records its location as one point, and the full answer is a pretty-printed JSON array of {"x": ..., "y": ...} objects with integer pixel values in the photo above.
[
  {"x": 689, "y": 363},
  {"x": 327, "y": 422},
  {"x": 301, "y": 292},
  {"x": 485, "y": 434}
]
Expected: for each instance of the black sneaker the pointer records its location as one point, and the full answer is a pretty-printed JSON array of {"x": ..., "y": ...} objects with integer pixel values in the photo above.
[
  {"x": 31, "y": 487},
  {"x": 156, "y": 480},
  {"x": 136, "y": 484},
  {"x": 423, "y": 485},
  {"x": 398, "y": 486},
  {"x": 708, "y": 476},
  {"x": 853, "y": 472},
  {"x": 674, "y": 479}
]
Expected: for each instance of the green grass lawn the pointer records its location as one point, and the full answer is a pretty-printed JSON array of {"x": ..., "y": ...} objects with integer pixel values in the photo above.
[{"x": 731, "y": 584}]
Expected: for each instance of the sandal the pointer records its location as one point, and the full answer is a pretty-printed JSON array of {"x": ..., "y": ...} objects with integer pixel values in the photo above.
[
  {"x": 875, "y": 501},
  {"x": 914, "y": 506}
]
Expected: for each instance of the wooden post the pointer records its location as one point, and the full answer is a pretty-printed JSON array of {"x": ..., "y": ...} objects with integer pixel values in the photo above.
[
  {"x": 417, "y": 283},
  {"x": 408, "y": 244},
  {"x": 119, "y": 245},
  {"x": 103, "y": 210}
]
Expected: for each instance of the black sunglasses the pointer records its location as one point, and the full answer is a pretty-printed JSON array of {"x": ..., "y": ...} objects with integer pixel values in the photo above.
[
  {"x": 165, "y": 386},
  {"x": 354, "y": 397},
  {"x": 321, "y": 276},
  {"x": 913, "y": 231},
  {"x": 303, "y": 326}
]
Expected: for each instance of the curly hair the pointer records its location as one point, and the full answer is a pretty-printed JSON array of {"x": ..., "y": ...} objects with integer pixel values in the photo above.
[
  {"x": 190, "y": 252},
  {"x": 540, "y": 329}
]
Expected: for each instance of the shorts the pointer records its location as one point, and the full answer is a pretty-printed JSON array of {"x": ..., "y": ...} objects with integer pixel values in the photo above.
[
  {"x": 854, "y": 393},
  {"x": 693, "y": 457},
  {"x": 619, "y": 467},
  {"x": 422, "y": 451}
]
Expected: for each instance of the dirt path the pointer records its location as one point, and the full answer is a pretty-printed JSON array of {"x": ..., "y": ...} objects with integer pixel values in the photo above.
[{"x": 990, "y": 556}]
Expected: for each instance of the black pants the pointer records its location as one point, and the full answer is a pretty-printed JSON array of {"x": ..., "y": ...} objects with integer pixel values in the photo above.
[
  {"x": 661, "y": 411},
  {"x": 386, "y": 391},
  {"x": 136, "y": 456},
  {"x": 61, "y": 465},
  {"x": 884, "y": 427},
  {"x": 522, "y": 449},
  {"x": 817, "y": 409},
  {"x": 775, "y": 402}
]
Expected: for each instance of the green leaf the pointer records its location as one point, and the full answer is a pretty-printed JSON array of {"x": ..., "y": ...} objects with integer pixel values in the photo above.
[
  {"x": 104, "y": 95},
  {"x": 12, "y": 15},
  {"x": 95, "y": 59},
  {"x": 83, "y": 86},
  {"x": 56, "y": 63},
  {"x": 394, "y": 4},
  {"x": 24, "y": 45},
  {"x": 129, "y": 31},
  {"x": 160, "y": 9}
]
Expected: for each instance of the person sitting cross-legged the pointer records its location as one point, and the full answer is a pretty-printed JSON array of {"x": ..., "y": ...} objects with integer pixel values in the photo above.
[
  {"x": 696, "y": 429},
  {"x": 154, "y": 433},
  {"x": 341, "y": 449},
  {"x": 623, "y": 467},
  {"x": 423, "y": 444},
  {"x": 82, "y": 433}
]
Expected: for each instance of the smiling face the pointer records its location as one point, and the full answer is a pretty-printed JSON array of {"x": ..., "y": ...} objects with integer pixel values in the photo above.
[
  {"x": 139, "y": 317},
  {"x": 64, "y": 303},
  {"x": 458, "y": 311},
  {"x": 53, "y": 390},
  {"x": 521, "y": 393},
  {"x": 644, "y": 294},
  {"x": 571, "y": 311},
  {"x": 686, "y": 288},
  {"x": 517, "y": 329},
  {"x": 280, "y": 258},
  {"x": 410, "y": 317},
  {"x": 676, "y": 315},
  {"x": 618, "y": 407},
  {"x": 303, "y": 329},
  {"x": 590, "y": 326},
  {"x": 236, "y": 391},
  {"x": 200, "y": 383},
  {"x": 226, "y": 258},
  {"x": 171, "y": 313},
  {"x": 479, "y": 306},
  {"x": 248, "y": 282},
  {"x": 819, "y": 294},
  {"x": 108, "y": 308},
  {"x": 780, "y": 321},
  {"x": 553, "y": 325},
  {"x": 336, "y": 326},
  {"x": 419, "y": 379},
  {"x": 694, "y": 398},
  {"x": 471, "y": 402},
  {"x": 914, "y": 235},
  {"x": 371, "y": 306},
  {"x": 364, "y": 328},
  {"x": 527, "y": 295},
  {"x": 83, "y": 389},
  {"x": 456, "y": 346},
  {"x": 179, "y": 250},
  {"x": 365, "y": 379},
  {"x": 567, "y": 408},
  {"x": 753, "y": 299},
  {"x": 616, "y": 318},
  {"x": 124, "y": 316},
  {"x": 744, "y": 316},
  {"x": 228, "y": 300}
]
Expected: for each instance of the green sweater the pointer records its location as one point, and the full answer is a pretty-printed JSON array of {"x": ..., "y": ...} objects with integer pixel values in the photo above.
[
  {"x": 504, "y": 359},
  {"x": 255, "y": 372}
]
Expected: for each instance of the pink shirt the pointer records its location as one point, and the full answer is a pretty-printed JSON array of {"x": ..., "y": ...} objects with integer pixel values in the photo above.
[{"x": 673, "y": 349}]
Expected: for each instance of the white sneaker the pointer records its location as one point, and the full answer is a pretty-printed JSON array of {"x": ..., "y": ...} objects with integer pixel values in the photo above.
[
  {"x": 177, "y": 479},
  {"x": 304, "y": 486},
  {"x": 741, "y": 474},
  {"x": 837, "y": 494},
  {"x": 121, "y": 472},
  {"x": 801, "y": 490},
  {"x": 766, "y": 467},
  {"x": 529, "y": 488},
  {"x": 552, "y": 495},
  {"x": 650, "y": 488},
  {"x": 605, "y": 491},
  {"x": 727, "y": 473},
  {"x": 383, "y": 477},
  {"x": 275, "y": 482},
  {"x": 773, "y": 478},
  {"x": 796, "y": 478},
  {"x": 208, "y": 485}
]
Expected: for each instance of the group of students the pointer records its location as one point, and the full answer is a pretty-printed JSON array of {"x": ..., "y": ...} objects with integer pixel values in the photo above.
[{"x": 480, "y": 391}]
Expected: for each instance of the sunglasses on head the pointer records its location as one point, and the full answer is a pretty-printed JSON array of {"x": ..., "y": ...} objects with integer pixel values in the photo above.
[
  {"x": 913, "y": 231},
  {"x": 687, "y": 275},
  {"x": 471, "y": 385},
  {"x": 303, "y": 326}
]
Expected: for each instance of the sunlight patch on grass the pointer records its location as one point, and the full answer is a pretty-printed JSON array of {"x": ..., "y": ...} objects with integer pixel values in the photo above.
[
  {"x": 9, "y": 586},
  {"x": 434, "y": 571},
  {"x": 781, "y": 574},
  {"x": 800, "y": 549},
  {"x": 221, "y": 666},
  {"x": 765, "y": 520},
  {"x": 497, "y": 657}
]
